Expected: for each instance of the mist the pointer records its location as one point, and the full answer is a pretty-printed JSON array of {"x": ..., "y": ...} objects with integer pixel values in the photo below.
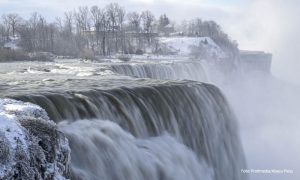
[
  {"x": 267, "y": 110},
  {"x": 272, "y": 26},
  {"x": 270, "y": 117}
]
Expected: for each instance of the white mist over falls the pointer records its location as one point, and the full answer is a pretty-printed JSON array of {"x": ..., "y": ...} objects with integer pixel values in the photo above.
[{"x": 151, "y": 118}]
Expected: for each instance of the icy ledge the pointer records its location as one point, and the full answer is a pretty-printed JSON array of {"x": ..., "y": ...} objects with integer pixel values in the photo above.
[{"x": 31, "y": 147}]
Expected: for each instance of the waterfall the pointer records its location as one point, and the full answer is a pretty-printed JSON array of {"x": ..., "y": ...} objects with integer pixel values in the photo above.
[
  {"x": 192, "y": 70},
  {"x": 195, "y": 116},
  {"x": 112, "y": 153}
]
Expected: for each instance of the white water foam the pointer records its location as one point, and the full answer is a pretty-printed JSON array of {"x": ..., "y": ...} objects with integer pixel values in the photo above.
[{"x": 103, "y": 150}]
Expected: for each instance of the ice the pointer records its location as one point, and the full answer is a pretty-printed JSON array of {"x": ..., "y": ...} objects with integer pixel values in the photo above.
[{"x": 30, "y": 145}]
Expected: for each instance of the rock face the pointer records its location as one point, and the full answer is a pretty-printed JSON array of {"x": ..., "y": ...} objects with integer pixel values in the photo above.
[{"x": 31, "y": 147}]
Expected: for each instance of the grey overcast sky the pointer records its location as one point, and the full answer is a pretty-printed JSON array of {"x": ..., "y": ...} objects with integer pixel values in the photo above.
[{"x": 269, "y": 25}]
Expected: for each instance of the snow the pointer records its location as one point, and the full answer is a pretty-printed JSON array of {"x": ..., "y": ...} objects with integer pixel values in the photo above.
[
  {"x": 13, "y": 43},
  {"x": 25, "y": 110},
  {"x": 181, "y": 45},
  {"x": 19, "y": 139},
  {"x": 8, "y": 125}
]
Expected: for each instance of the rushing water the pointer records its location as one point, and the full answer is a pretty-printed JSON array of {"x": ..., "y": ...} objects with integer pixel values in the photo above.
[
  {"x": 156, "y": 130},
  {"x": 192, "y": 70},
  {"x": 112, "y": 153}
]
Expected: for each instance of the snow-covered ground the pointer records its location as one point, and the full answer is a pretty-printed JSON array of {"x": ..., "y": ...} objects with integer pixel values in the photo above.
[
  {"x": 182, "y": 45},
  {"x": 13, "y": 43},
  {"x": 30, "y": 145}
]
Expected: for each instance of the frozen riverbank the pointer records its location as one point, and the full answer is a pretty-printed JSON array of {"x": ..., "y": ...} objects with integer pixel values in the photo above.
[{"x": 30, "y": 145}]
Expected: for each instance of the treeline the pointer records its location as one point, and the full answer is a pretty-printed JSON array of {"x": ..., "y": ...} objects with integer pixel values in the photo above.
[{"x": 102, "y": 31}]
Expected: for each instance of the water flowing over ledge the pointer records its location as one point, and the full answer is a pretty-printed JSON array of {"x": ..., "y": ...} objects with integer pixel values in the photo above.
[
  {"x": 196, "y": 114},
  {"x": 191, "y": 70},
  {"x": 185, "y": 127},
  {"x": 112, "y": 153}
]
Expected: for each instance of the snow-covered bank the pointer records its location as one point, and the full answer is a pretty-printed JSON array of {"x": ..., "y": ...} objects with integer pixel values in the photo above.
[
  {"x": 31, "y": 147},
  {"x": 182, "y": 45}
]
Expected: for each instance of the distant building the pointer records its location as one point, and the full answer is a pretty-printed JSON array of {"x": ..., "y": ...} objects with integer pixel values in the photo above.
[{"x": 255, "y": 61}]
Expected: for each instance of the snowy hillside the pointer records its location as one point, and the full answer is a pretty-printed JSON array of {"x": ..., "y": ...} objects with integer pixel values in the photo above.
[{"x": 182, "y": 45}]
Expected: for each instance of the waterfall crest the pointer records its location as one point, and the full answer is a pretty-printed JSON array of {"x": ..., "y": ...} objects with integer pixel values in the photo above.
[{"x": 192, "y": 70}]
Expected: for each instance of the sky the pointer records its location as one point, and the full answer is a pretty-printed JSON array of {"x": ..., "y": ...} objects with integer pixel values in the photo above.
[{"x": 268, "y": 25}]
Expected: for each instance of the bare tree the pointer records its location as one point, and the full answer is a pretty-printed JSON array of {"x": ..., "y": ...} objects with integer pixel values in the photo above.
[
  {"x": 116, "y": 17},
  {"x": 82, "y": 19},
  {"x": 162, "y": 23},
  {"x": 12, "y": 21},
  {"x": 7, "y": 26},
  {"x": 2, "y": 35},
  {"x": 102, "y": 26},
  {"x": 147, "y": 19},
  {"x": 96, "y": 18},
  {"x": 68, "y": 22},
  {"x": 59, "y": 24},
  {"x": 134, "y": 28},
  {"x": 134, "y": 20},
  {"x": 121, "y": 19}
]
